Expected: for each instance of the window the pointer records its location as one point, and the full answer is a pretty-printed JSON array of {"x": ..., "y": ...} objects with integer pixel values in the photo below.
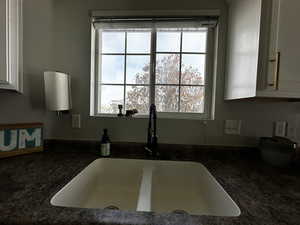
[
  {"x": 140, "y": 63},
  {"x": 124, "y": 70}
]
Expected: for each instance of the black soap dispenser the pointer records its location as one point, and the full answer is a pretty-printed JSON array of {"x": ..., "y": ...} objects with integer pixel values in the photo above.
[{"x": 105, "y": 144}]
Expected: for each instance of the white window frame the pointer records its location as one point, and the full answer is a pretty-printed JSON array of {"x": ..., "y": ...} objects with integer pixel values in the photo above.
[{"x": 209, "y": 79}]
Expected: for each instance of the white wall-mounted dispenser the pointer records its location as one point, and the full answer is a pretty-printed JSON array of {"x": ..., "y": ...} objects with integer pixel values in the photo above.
[{"x": 57, "y": 91}]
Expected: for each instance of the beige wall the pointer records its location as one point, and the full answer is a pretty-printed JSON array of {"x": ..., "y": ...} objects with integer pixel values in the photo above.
[
  {"x": 56, "y": 36},
  {"x": 38, "y": 49}
]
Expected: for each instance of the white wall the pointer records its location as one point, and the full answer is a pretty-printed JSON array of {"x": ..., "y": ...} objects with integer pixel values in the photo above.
[
  {"x": 38, "y": 48},
  {"x": 57, "y": 36}
]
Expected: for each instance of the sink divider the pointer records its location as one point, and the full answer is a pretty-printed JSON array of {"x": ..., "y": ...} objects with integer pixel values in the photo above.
[{"x": 144, "y": 200}]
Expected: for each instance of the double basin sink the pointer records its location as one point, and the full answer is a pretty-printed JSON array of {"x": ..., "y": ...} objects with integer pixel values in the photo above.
[{"x": 145, "y": 185}]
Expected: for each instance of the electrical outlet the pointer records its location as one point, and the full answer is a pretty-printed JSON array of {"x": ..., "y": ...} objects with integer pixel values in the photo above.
[
  {"x": 291, "y": 132},
  {"x": 76, "y": 121},
  {"x": 280, "y": 129},
  {"x": 233, "y": 127}
]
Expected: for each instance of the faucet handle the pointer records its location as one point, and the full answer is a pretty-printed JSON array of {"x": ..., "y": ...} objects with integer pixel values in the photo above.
[{"x": 148, "y": 150}]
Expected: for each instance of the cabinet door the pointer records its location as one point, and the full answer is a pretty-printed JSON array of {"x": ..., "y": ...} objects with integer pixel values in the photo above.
[
  {"x": 284, "y": 70},
  {"x": 3, "y": 42},
  {"x": 244, "y": 24},
  {"x": 14, "y": 34},
  {"x": 11, "y": 34}
]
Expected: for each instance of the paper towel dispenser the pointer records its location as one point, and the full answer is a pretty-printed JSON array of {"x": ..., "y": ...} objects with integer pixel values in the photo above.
[{"x": 57, "y": 91}]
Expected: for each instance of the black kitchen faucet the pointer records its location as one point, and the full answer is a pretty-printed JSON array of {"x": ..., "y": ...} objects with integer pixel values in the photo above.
[{"x": 151, "y": 146}]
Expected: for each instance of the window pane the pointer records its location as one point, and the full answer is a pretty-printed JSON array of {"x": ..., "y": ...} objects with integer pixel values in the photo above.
[
  {"x": 138, "y": 42},
  {"x": 113, "y": 42},
  {"x": 110, "y": 96},
  {"x": 166, "y": 98},
  {"x": 137, "y": 70},
  {"x": 192, "y": 99},
  {"x": 194, "y": 41},
  {"x": 167, "y": 68},
  {"x": 168, "y": 41},
  {"x": 112, "y": 69},
  {"x": 137, "y": 97},
  {"x": 193, "y": 69}
]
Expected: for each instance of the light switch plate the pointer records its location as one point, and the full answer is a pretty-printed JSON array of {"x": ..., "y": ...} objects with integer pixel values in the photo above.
[
  {"x": 233, "y": 127},
  {"x": 280, "y": 129},
  {"x": 76, "y": 121}
]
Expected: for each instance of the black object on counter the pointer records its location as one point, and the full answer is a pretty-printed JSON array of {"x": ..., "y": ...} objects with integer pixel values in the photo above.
[
  {"x": 130, "y": 113},
  {"x": 120, "y": 111},
  {"x": 277, "y": 151},
  {"x": 105, "y": 144}
]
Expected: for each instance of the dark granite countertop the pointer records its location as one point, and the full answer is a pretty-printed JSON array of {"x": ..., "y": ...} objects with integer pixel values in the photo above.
[{"x": 265, "y": 195}]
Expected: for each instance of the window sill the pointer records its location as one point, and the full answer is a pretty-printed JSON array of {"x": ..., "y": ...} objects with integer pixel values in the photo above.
[
  {"x": 108, "y": 115},
  {"x": 181, "y": 116}
]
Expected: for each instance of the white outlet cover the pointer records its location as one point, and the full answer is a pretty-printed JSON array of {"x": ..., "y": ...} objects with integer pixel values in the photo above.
[
  {"x": 291, "y": 132},
  {"x": 280, "y": 129},
  {"x": 233, "y": 127},
  {"x": 76, "y": 121}
]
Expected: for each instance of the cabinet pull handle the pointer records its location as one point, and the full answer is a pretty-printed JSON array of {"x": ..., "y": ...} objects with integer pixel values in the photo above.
[{"x": 275, "y": 83}]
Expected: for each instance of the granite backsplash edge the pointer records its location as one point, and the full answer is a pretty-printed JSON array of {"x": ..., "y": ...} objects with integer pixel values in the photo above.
[{"x": 167, "y": 151}]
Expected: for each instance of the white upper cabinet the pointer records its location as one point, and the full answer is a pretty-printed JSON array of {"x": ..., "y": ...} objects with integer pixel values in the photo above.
[
  {"x": 263, "y": 49},
  {"x": 285, "y": 47},
  {"x": 3, "y": 75},
  {"x": 11, "y": 32}
]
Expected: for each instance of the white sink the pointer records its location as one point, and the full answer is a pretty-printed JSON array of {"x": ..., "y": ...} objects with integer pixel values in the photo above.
[{"x": 145, "y": 185}]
